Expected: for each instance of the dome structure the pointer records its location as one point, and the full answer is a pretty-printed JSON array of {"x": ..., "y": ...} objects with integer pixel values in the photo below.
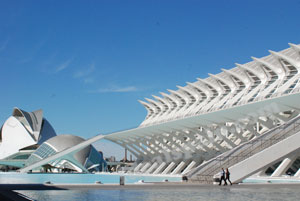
[
  {"x": 23, "y": 129},
  {"x": 85, "y": 160}
]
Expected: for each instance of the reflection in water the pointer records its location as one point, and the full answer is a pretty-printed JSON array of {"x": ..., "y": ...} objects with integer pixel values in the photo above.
[{"x": 171, "y": 193}]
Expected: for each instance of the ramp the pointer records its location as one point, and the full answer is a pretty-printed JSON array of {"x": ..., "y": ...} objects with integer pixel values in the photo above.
[{"x": 206, "y": 171}]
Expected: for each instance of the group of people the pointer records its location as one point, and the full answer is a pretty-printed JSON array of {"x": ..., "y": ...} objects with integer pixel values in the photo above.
[{"x": 224, "y": 177}]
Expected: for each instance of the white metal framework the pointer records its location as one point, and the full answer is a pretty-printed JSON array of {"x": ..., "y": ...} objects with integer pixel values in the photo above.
[
  {"x": 196, "y": 122},
  {"x": 187, "y": 128}
]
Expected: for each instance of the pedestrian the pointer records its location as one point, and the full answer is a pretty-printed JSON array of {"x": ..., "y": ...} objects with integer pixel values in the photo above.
[
  {"x": 222, "y": 173},
  {"x": 227, "y": 176}
]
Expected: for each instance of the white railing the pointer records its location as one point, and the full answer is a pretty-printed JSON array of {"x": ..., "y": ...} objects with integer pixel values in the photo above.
[{"x": 206, "y": 171}]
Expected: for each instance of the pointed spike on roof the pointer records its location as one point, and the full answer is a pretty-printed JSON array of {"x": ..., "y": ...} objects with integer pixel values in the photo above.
[
  {"x": 214, "y": 76},
  {"x": 163, "y": 94},
  {"x": 254, "y": 58},
  {"x": 174, "y": 92},
  {"x": 294, "y": 46},
  {"x": 225, "y": 70},
  {"x": 148, "y": 99},
  {"x": 142, "y": 102},
  {"x": 156, "y": 97},
  {"x": 287, "y": 58},
  {"x": 190, "y": 84},
  {"x": 261, "y": 61},
  {"x": 180, "y": 87},
  {"x": 276, "y": 70},
  {"x": 273, "y": 53},
  {"x": 240, "y": 66},
  {"x": 170, "y": 90}
]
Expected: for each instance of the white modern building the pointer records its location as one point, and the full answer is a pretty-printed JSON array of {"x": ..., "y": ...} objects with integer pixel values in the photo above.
[
  {"x": 23, "y": 129},
  {"x": 222, "y": 121},
  {"x": 27, "y": 137},
  {"x": 245, "y": 118}
]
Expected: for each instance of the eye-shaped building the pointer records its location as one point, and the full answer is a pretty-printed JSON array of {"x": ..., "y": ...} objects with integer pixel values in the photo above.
[{"x": 27, "y": 137}]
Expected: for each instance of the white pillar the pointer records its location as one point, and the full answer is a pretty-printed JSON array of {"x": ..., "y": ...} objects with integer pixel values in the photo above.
[
  {"x": 138, "y": 167},
  {"x": 154, "y": 165},
  {"x": 189, "y": 167},
  {"x": 145, "y": 167},
  {"x": 168, "y": 169},
  {"x": 297, "y": 174},
  {"x": 178, "y": 168},
  {"x": 159, "y": 169},
  {"x": 284, "y": 165}
]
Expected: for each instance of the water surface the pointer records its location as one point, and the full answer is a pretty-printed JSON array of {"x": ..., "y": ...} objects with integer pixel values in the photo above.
[{"x": 174, "y": 193}]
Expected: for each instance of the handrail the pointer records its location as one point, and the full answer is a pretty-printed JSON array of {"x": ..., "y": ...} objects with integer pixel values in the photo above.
[{"x": 247, "y": 149}]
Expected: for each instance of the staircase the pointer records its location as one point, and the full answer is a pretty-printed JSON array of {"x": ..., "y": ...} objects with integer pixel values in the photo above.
[{"x": 205, "y": 172}]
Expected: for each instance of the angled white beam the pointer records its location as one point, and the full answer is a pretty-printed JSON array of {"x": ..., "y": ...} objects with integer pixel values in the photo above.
[
  {"x": 278, "y": 71},
  {"x": 200, "y": 88},
  {"x": 165, "y": 102},
  {"x": 241, "y": 77},
  {"x": 209, "y": 84},
  {"x": 295, "y": 47},
  {"x": 229, "y": 83},
  {"x": 179, "y": 95},
  {"x": 173, "y": 99},
  {"x": 157, "y": 105},
  {"x": 261, "y": 76},
  {"x": 284, "y": 165},
  {"x": 288, "y": 59}
]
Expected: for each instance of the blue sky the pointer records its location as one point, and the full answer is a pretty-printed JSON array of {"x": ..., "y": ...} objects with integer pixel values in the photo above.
[{"x": 86, "y": 63}]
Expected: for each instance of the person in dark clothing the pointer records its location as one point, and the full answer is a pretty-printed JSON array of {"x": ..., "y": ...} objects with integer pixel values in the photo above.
[
  {"x": 227, "y": 177},
  {"x": 222, "y": 177}
]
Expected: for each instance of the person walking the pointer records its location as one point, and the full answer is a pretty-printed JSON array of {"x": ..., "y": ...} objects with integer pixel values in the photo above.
[
  {"x": 227, "y": 176},
  {"x": 222, "y": 173}
]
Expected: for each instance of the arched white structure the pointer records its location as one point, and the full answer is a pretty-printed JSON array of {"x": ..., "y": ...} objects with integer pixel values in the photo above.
[
  {"x": 197, "y": 122},
  {"x": 23, "y": 129},
  {"x": 250, "y": 108},
  {"x": 84, "y": 160}
]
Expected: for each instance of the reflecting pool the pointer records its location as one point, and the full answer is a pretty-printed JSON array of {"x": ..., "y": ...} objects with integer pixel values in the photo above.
[{"x": 173, "y": 192}]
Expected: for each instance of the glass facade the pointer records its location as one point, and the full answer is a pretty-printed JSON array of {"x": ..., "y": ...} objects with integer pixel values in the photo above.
[
  {"x": 42, "y": 152},
  {"x": 94, "y": 161}
]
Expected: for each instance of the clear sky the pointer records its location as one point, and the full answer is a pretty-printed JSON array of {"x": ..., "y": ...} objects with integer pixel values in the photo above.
[{"x": 86, "y": 63}]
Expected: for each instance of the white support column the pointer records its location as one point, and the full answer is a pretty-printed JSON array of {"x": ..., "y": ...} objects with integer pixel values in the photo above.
[
  {"x": 297, "y": 174},
  {"x": 189, "y": 167},
  {"x": 154, "y": 165},
  {"x": 284, "y": 165},
  {"x": 137, "y": 168},
  {"x": 178, "y": 168},
  {"x": 159, "y": 169},
  {"x": 145, "y": 167},
  {"x": 168, "y": 169}
]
